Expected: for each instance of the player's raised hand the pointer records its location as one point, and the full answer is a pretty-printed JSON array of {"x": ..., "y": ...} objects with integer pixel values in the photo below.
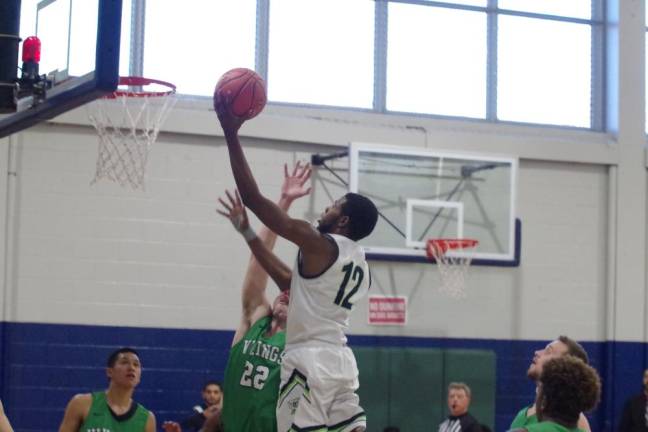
[
  {"x": 229, "y": 122},
  {"x": 294, "y": 185},
  {"x": 234, "y": 210},
  {"x": 170, "y": 426}
]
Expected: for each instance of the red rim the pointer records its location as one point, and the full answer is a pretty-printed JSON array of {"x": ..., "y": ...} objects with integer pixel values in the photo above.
[
  {"x": 444, "y": 245},
  {"x": 141, "y": 81}
]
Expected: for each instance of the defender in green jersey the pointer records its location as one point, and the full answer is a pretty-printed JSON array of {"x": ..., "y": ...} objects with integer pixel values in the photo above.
[
  {"x": 252, "y": 376},
  {"x": 113, "y": 410},
  {"x": 567, "y": 387},
  {"x": 557, "y": 348}
]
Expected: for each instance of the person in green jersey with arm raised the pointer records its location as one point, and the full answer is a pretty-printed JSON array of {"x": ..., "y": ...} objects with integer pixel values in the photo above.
[
  {"x": 114, "y": 409},
  {"x": 252, "y": 375},
  {"x": 567, "y": 387},
  {"x": 556, "y": 348}
]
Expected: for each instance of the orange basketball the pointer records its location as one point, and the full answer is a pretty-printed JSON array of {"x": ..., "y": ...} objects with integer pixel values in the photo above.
[{"x": 245, "y": 90}]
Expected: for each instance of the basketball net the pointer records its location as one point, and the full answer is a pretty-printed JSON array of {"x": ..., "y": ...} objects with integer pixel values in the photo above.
[
  {"x": 452, "y": 269},
  {"x": 127, "y": 131}
]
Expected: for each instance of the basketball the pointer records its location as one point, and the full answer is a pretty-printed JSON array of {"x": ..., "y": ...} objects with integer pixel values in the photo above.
[{"x": 245, "y": 90}]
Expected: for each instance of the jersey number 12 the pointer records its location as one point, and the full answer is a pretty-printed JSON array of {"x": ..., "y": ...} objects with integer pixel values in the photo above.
[{"x": 352, "y": 273}]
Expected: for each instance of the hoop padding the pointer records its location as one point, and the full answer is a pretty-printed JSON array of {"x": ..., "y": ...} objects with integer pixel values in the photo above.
[
  {"x": 452, "y": 269},
  {"x": 128, "y": 123}
]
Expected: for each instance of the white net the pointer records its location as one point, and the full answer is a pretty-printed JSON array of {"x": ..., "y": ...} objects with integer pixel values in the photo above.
[
  {"x": 452, "y": 269},
  {"x": 127, "y": 126}
]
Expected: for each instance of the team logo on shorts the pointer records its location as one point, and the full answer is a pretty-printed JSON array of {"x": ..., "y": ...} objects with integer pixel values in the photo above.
[{"x": 293, "y": 404}]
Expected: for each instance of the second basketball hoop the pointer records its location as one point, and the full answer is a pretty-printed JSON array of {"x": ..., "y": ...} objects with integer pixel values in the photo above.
[{"x": 452, "y": 268}]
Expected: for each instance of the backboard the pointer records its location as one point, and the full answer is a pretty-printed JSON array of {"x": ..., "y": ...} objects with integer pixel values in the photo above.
[
  {"x": 80, "y": 45},
  {"x": 424, "y": 194}
]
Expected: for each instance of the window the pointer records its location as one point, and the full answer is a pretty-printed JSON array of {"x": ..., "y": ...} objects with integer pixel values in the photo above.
[
  {"x": 544, "y": 71},
  {"x": 436, "y": 61},
  {"x": 507, "y": 60},
  {"x": 321, "y": 52},
  {"x": 192, "y": 44}
]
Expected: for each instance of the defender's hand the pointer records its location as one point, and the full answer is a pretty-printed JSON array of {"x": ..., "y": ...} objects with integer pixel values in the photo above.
[
  {"x": 294, "y": 184},
  {"x": 235, "y": 211}
]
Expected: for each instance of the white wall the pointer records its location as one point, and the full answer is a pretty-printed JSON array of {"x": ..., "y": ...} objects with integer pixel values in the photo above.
[{"x": 104, "y": 255}]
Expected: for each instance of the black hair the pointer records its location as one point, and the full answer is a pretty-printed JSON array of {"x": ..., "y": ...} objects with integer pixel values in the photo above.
[
  {"x": 568, "y": 386},
  {"x": 574, "y": 348},
  {"x": 362, "y": 213},
  {"x": 112, "y": 358},
  {"x": 212, "y": 382}
]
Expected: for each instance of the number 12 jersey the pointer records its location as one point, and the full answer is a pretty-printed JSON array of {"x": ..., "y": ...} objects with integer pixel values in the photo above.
[{"x": 320, "y": 305}]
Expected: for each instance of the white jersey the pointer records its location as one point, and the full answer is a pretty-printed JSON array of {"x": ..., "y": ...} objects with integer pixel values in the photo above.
[{"x": 320, "y": 306}]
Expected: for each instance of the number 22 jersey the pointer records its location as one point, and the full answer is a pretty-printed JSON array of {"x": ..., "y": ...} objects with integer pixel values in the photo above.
[
  {"x": 252, "y": 379},
  {"x": 320, "y": 305}
]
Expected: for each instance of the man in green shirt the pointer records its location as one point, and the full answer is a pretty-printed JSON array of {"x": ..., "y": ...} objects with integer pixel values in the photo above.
[
  {"x": 567, "y": 387},
  {"x": 114, "y": 409},
  {"x": 252, "y": 376},
  {"x": 557, "y": 348}
]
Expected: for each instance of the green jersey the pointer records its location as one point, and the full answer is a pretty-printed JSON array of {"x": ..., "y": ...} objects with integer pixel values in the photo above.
[
  {"x": 101, "y": 418},
  {"x": 521, "y": 420},
  {"x": 548, "y": 426},
  {"x": 252, "y": 380}
]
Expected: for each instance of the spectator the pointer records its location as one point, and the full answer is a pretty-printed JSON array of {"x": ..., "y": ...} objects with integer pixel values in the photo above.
[
  {"x": 567, "y": 388},
  {"x": 212, "y": 395},
  {"x": 459, "y": 419},
  {"x": 635, "y": 411}
]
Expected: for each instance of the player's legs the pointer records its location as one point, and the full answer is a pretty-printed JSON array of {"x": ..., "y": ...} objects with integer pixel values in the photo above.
[
  {"x": 345, "y": 412},
  {"x": 317, "y": 391}
]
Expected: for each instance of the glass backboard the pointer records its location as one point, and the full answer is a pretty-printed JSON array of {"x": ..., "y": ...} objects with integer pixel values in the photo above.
[
  {"x": 80, "y": 45},
  {"x": 424, "y": 194}
]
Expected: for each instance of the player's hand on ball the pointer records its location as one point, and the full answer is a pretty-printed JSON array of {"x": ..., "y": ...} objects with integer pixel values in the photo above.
[
  {"x": 229, "y": 122},
  {"x": 294, "y": 184},
  {"x": 235, "y": 211}
]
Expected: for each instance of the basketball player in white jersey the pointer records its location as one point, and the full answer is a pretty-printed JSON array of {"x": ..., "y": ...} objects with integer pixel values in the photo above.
[{"x": 319, "y": 375}]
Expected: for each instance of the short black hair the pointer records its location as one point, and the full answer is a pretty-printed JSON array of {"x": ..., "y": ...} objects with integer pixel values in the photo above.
[
  {"x": 574, "y": 348},
  {"x": 212, "y": 382},
  {"x": 362, "y": 213},
  {"x": 568, "y": 387},
  {"x": 112, "y": 358}
]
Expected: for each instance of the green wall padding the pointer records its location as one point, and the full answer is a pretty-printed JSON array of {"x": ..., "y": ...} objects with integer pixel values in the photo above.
[{"x": 407, "y": 387}]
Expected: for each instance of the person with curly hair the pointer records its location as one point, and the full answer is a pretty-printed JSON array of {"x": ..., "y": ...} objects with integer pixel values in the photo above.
[
  {"x": 566, "y": 388},
  {"x": 561, "y": 346}
]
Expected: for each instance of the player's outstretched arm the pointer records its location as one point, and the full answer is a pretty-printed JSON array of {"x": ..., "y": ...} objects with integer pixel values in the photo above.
[
  {"x": 297, "y": 231},
  {"x": 263, "y": 256},
  {"x": 253, "y": 295}
]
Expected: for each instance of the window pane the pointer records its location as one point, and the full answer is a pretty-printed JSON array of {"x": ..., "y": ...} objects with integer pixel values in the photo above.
[
  {"x": 321, "y": 52},
  {"x": 83, "y": 37},
  {"x": 124, "y": 45},
  {"x": 436, "y": 61},
  {"x": 544, "y": 71},
  {"x": 193, "y": 44},
  {"x": 567, "y": 8},
  {"x": 482, "y": 3}
]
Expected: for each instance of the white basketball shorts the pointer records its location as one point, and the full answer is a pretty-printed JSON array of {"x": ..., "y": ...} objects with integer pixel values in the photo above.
[{"x": 317, "y": 391}]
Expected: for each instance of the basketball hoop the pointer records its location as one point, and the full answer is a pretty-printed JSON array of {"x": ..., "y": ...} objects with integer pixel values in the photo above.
[
  {"x": 453, "y": 269},
  {"x": 127, "y": 133}
]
